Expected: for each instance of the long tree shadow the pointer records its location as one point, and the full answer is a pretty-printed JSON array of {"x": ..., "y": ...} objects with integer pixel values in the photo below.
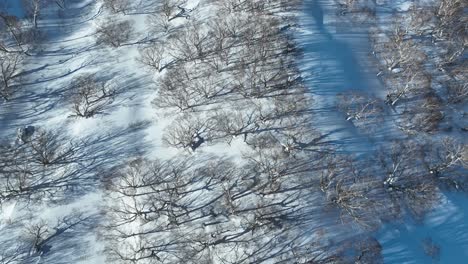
[
  {"x": 74, "y": 174},
  {"x": 330, "y": 48},
  {"x": 331, "y": 66}
]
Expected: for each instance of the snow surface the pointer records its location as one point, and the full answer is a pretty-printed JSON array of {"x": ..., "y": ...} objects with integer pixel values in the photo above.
[
  {"x": 12, "y": 7},
  {"x": 337, "y": 58}
]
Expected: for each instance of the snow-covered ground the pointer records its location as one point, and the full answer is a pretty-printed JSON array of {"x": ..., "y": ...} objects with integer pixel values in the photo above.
[
  {"x": 336, "y": 59},
  {"x": 445, "y": 226},
  {"x": 129, "y": 127}
]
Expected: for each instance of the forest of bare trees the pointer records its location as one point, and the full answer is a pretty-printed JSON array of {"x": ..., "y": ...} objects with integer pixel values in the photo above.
[
  {"x": 229, "y": 80},
  {"x": 236, "y": 77}
]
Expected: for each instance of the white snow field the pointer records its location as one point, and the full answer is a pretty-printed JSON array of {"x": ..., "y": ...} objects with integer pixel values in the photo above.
[{"x": 212, "y": 131}]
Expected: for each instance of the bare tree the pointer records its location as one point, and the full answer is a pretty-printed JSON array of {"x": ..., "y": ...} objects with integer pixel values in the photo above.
[
  {"x": 410, "y": 186},
  {"x": 358, "y": 106},
  {"x": 114, "y": 33},
  {"x": 34, "y": 9},
  {"x": 424, "y": 117},
  {"x": 90, "y": 96},
  {"x": 363, "y": 110},
  {"x": 421, "y": 19},
  {"x": 167, "y": 11},
  {"x": 38, "y": 233},
  {"x": 353, "y": 202},
  {"x": 9, "y": 73},
  {"x": 174, "y": 90},
  {"x": 457, "y": 92},
  {"x": 45, "y": 164},
  {"x": 396, "y": 163},
  {"x": 457, "y": 86},
  {"x": 47, "y": 148},
  {"x": 191, "y": 44},
  {"x": 447, "y": 161},
  {"x": 225, "y": 35},
  {"x": 186, "y": 89},
  {"x": 399, "y": 51},
  {"x": 236, "y": 122},
  {"x": 117, "y": 6},
  {"x": 210, "y": 87},
  {"x": 298, "y": 136},
  {"x": 452, "y": 20},
  {"x": 259, "y": 79},
  {"x": 408, "y": 85},
  {"x": 155, "y": 197},
  {"x": 155, "y": 57},
  {"x": 189, "y": 131},
  {"x": 230, "y": 6},
  {"x": 41, "y": 233},
  {"x": 13, "y": 31},
  {"x": 159, "y": 23}
]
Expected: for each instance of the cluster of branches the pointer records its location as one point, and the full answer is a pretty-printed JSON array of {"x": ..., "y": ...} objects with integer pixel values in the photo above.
[
  {"x": 117, "y": 6},
  {"x": 12, "y": 40},
  {"x": 410, "y": 87},
  {"x": 113, "y": 33},
  {"x": 10, "y": 73},
  {"x": 17, "y": 37},
  {"x": 14, "y": 34},
  {"x": 233, "y": 77},
  {"x": 116, "y": 33},
  {"x": 212, "y": 210},
  {"x": 359, "y": 10},
  {"x": 248, "y": 121},
  {"x": 181, "y": 211},
  {"x": 424, "y": 66},
  {"x": 90, "y": 95},
  {"x": 363, "y": 110},
  {"x": 404, "y": 178},
  {"x": 39, "y": 164},
  {"x": 417, "y": 169},
  {"x": 451, "y": 30},
  {"x": 36, "y": 237},
  {"x": 20, "y": 34},
  {"x": 242, "y": 59}
]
